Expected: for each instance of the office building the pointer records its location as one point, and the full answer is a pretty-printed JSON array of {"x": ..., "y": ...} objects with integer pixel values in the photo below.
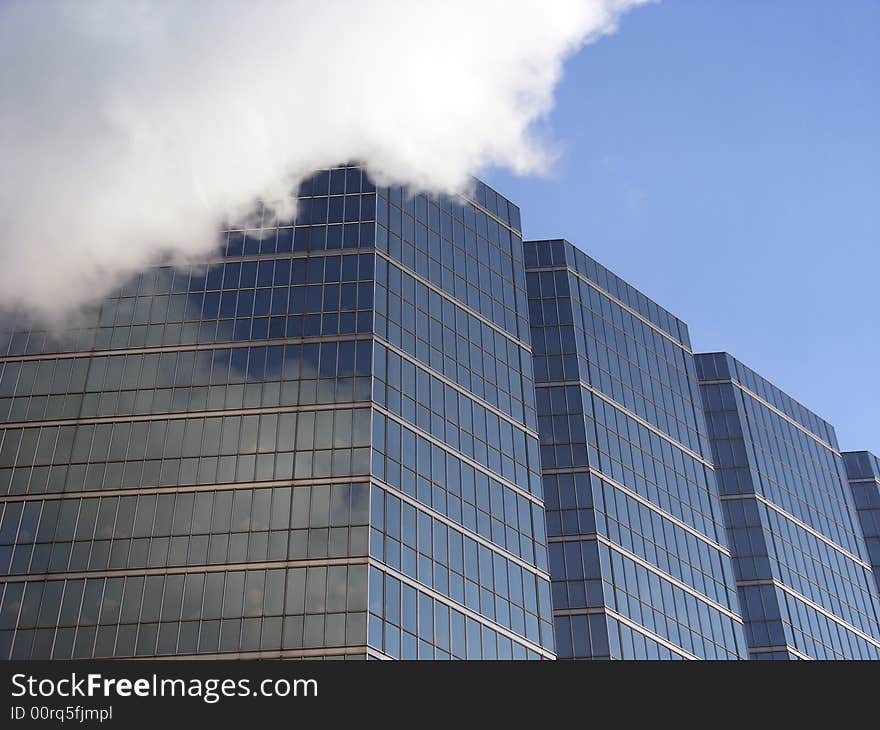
[
  {"x": 863, "y": 475},
  {"x": 638, "y": 554},
  {"x": 379, "y": 430},
  {"x": 806, "y": 587},
  {"x": 320, "y": 443}
]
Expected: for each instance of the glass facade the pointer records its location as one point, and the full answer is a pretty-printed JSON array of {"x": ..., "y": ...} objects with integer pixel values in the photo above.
[
  {"x": 379, "y": 429},
  {"x": 458, "y": 554},
  {"x": 805, "y": 584},
  {"x": 320, "y": 443},
  {"x": 638, "y": 553},
  {"x": 863, "y": 475}
]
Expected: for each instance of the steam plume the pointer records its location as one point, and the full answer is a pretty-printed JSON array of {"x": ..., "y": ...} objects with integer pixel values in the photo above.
[{"x": 130, "y": 131}]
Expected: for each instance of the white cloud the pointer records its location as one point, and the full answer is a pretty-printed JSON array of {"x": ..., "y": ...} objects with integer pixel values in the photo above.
[{"x": 131, "y": 130}]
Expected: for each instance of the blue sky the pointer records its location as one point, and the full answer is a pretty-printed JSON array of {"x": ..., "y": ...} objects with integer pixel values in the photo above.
[{"x": 724, "y": 158}]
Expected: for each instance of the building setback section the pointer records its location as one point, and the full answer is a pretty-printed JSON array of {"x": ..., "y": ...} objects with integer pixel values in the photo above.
[
  {"x": 805, "y": 584},
  {"x": 863, "y": 475},
  {"x": 638, "y": 559}
]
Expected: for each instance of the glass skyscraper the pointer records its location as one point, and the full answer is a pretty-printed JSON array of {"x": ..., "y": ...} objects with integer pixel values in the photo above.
[
  {"x": 321, "y": 443},
  {"x": 863, "y": 474},
  {"x": 805, "y": 584},
  {"x": 638, "y": 554},
  {"x": 380, "y": 430}
]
